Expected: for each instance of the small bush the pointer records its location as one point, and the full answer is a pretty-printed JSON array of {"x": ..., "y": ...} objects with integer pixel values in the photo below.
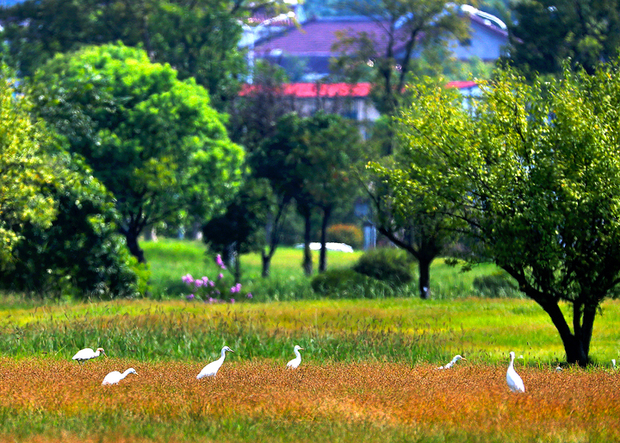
[
  {"x": 386, "y": 264},
  {"x": 349, "y": 234},
  {"x": 346, "y": 283},
  {"x": 498, "y": 284}
]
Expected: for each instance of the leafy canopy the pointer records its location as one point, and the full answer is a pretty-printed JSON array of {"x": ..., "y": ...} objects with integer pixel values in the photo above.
[
  {"x": 153, "y": 140},
  {"x": 533, "y": 174}
]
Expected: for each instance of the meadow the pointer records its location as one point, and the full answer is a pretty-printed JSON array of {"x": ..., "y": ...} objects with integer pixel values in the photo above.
[{"x": 368, "y": 371}]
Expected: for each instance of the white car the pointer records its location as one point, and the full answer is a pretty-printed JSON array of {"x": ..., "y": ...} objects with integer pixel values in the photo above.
[{"x": 330, "y": 246}]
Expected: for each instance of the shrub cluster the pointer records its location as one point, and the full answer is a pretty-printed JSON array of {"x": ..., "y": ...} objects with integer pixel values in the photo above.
[
  {"x": 386, "y": 264},
  {"x": 498, "y": 284},
  {"x": 344, "y": 233}
]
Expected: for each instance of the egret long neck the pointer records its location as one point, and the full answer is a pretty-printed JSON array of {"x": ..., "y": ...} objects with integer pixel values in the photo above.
[
  {"x": 126, "y": 373},
  {"x": 223, "y": 354},
  {"x": 297, "y": 353}
]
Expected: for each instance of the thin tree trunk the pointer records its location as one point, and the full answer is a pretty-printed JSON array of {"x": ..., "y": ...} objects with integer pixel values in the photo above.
[
  {"x": 266, "y": 262},
  {"x": 307, "y": 263},
  {"x": 327, "y": 212}
]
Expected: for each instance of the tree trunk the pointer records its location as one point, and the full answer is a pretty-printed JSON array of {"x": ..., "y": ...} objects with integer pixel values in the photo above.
[
  {"x": 307, "y": 263},
  {"x": 266, "y": 262},
  {"x": 132, "y": 244},
  {"x": 576, "y": 352},
  {"x": 327, "y": 212},
  {"x": 424, "y": 283}
]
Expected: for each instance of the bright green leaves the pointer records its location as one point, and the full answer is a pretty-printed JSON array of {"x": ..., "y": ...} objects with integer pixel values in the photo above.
[
  {"x": 534, "y": 172},
  {"x": 154, "y": 141},
  {"x": 23, "y": 171}
]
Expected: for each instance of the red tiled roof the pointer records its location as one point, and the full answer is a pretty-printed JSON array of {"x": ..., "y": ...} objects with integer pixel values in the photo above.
[
  {"x": 309, "y": 90},
  {"x": 461, "y": 84}
]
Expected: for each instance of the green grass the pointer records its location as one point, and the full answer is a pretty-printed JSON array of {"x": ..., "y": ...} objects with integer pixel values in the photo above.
[
  {"x": 166, "y": 329},
  {"x": 170, "y": 259},
  {"x": 401, "y": 330}
]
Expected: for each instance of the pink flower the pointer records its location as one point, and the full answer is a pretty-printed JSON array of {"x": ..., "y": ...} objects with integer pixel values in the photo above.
[
  {"x": 232, "y": 300},
  {"x": 190, "y": 297},
  {"x": 211, "y": 283},
  {"x": 220, "y": 262},
  {"x": 249, "y": 295},
  {"x": 199, "y": 283},
  {"x": 187, "y": 278},
  {"x": 211, "y": 300},
  {"x": 221, "y": 276}
]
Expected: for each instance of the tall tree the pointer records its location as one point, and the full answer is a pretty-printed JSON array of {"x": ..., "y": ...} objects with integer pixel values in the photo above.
[
  {"x": 253, "y": 120},
  {"x": 154, "y": 141},
  {"x": 534, "y": 173},
  {"x": 197, "y": 37},
  {"x": 276, "y": 160},
  {"x": 404, "y": 27},
  {"x": 544, "y": 33},
  {"x": 333, "y": 147}
]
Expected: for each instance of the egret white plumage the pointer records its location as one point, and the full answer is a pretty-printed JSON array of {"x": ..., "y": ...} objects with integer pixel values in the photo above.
[
  {"x": 613, "y": 363},
  {"x": 87, "y": 354},
  {"x": 452, "y": 362},
  {"x": 114, "y": 377},
  {"x": 211, "y": 369},
  {"x": 294, "y": 363},
  {"x": 512, "y": 378}
]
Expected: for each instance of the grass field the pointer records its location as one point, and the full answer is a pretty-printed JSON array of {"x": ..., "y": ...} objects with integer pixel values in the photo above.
[{"x": 368, "y": 370}]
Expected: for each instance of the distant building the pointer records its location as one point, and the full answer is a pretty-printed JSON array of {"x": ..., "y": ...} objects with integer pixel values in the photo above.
[
  {"x": 349, "y": 100},
  {"x": 308, "y": 46}
]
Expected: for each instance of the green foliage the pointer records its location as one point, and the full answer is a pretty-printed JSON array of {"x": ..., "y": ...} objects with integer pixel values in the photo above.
[
  {"x": 198, "y": 38},
  {"x": 408, "y": 24},
  {"x": 534, "y": 173},
  {"x": 343, "y": 233},
  {"x": 498, "y": 284},
  {"x": 347, "y": 283},
  {"x": 238, "y": 229},
  {"x": 386, "y": 264},
  {"x": 24, "y": 170},
  {"x": 81, "y": 253},
  {"x": 544, "y": 34},
  {"x": 152, "y": 140}
]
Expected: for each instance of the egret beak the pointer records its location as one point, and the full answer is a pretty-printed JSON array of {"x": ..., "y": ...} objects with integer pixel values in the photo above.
[{"x": 302, "y": 349}]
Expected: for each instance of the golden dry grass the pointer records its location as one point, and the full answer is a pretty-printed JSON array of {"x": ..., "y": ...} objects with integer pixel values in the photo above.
[{"x": 573, "y": 405}]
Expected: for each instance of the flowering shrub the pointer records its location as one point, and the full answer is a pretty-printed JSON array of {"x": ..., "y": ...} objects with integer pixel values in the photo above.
[{"x": 213, "y": 291}]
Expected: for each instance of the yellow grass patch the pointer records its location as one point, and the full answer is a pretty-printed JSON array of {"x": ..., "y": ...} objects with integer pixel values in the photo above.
[{"x": 572, "y": 405}]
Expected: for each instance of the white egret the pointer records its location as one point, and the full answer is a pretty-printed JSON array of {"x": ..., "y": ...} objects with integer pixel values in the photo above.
[
  {"x": 452, "y": 362},
  {"x": 87, "y": 354},
  {"x": 114, "y": 377},
  {"x": 294, "y": 363},
  {"x": 211, "y": 369},
  {"x": 512, "y": 378}
]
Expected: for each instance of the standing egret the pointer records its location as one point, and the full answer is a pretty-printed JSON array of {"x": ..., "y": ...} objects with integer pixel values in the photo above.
[
  {"x": 87, "y": 354},
  {"x": 114, "y": 377},
  {"x": 613, "y": 363},
  {"x": 211, "y": 369},
  {"x": 294, "y": 363},
  {"x": 452, "y": 362},
  {"x": 512, "y": 378}
]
